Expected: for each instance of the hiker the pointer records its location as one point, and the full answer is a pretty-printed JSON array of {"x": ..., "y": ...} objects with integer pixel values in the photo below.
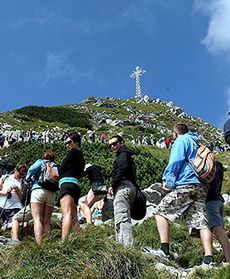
[
  {"x": 186, "y": 195},
  {"x": 42, "y": 200},
  {"x": 97, "y": 191},
  {"x": 227, "y": 129},
  {"x": 11, "y": 193},
  {"x": 215, "y": 211},
  {"x": 124, "y": 190},
  {"x": 70, "y": 171},
  {"x": 23, "y": 215}
]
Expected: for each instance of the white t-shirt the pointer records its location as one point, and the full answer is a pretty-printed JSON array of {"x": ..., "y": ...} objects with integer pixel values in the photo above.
[{"x": 14, "y": 201}]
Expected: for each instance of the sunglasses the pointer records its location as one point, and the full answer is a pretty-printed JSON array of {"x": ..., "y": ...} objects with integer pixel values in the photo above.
[
  {"x": 68, "y": 142},
  {"x": 113, "y": 144}
]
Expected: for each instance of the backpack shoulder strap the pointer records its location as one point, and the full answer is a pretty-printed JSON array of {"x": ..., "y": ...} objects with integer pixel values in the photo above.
[
  {"x": 4, "y": 177},
  {"x": 197, "y": 143}
]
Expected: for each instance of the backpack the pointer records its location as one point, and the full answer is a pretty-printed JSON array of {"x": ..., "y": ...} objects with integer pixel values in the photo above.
[
  {"x": 49, "y": 177},
  {"x": 138, "y": 209},
  {"x": 203, "y": 165}
]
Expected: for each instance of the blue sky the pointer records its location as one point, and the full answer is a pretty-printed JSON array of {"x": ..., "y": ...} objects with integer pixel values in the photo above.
[{"x": 60, "y": 52}]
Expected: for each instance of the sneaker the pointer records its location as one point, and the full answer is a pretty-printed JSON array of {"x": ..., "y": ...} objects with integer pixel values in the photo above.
[
  {"x": 207, "y": 265},
  {"x": 82, "y": 220},
  {"x": 157, "y": 253}
]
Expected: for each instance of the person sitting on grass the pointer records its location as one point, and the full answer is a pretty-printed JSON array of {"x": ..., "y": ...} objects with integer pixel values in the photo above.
[{"x": 97, "y": 180}]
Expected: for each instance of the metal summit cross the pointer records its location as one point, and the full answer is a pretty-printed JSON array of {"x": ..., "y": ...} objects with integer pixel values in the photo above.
[{"x": 136, "y": 74}]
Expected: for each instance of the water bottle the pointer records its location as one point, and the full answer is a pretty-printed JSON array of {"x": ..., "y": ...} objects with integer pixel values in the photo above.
[{"x": 170, "y": 181}]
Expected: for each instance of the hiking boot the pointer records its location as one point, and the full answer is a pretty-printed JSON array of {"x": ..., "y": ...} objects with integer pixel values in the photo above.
[{"x": 157, "y": 253}]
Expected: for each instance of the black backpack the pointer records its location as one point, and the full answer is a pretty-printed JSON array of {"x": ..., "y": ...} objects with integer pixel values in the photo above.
[
  {"x": 138, "y": 209},
  {"x": 214, "y": 188}
]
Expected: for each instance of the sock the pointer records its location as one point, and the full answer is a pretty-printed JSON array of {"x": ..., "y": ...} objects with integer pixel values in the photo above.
[
  {"x": 165, "y": 248},
  {"x": 208, "y": 259}
]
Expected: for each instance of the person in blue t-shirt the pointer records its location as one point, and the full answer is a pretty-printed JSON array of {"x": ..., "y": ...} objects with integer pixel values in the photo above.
[{"x": 186, "y": 195}]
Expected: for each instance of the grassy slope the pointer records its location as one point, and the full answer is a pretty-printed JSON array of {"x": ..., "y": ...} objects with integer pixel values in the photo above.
[{"x": 94, "y": 254}]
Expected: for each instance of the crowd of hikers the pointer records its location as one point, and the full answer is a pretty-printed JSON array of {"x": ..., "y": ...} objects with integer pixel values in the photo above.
[{"x": 190, "y": 190}]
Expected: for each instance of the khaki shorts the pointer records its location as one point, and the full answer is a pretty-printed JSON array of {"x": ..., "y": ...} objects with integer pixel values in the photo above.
[
  {"x": 43, "y": 196},
  {"x": 187, "y": 200},
  {"x": 27, "y": 217}
]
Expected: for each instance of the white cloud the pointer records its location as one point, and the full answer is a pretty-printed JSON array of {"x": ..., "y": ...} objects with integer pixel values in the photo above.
[
  {"x": 217, "y": 39},
  {"x": 59, "y": 66}
]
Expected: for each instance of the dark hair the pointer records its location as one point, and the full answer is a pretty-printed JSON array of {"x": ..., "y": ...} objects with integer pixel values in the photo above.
[
  {"x": 21, "y": 167},
  {"x": 181, "y": 128},
  {"x": 49, "y": 155},
  {"x": 118, "y": 137},
  {"x": 75, "y": 137}
]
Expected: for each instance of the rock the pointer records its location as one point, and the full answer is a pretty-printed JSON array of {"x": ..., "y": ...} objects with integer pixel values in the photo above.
[
  {"x": 226, "y": 199},
  {"x": 170, "y": 104},
  {"x": 7, "y": 242},
  {"x": 146, "y": 99}
]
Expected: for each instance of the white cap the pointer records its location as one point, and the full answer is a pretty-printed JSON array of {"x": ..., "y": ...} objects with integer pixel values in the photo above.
[{"x": 87, "y": 166}]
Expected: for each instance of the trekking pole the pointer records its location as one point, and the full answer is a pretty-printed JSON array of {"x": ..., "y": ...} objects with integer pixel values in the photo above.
[
  {"x": 24, "y": 211},
  {"x": 7, "y": 198}
]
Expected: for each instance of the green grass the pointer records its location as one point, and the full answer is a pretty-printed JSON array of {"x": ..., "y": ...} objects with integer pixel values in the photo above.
[{"x": 94, "y": 253}]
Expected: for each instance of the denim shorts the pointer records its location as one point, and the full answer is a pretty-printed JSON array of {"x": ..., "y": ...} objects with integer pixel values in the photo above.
[
  {"x": 215, "y": 211},
  {"x": 7, "y": 214}
]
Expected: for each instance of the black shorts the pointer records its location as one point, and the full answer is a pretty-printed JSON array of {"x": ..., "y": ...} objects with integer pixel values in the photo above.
[
  {"x": 71, "y": 189},
  {"x": 8, "y": 214}
]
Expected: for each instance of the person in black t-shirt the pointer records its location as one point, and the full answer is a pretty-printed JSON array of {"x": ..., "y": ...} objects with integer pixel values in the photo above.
[
  {"x": 70, "y": 171},
  {"x": 215, "y": 209}
]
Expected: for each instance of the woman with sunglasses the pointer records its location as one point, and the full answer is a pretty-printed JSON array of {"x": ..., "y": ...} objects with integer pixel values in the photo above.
[
  {"x": 11, "y": 193},
  {"x": 70, "y": 171}
]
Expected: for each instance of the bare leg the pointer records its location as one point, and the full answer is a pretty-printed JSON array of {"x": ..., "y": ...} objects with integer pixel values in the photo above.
[
  {"x": 37, "y": 210},
  {"x": 87, "y": 203},
  {"x": 206, "y": 239},
  {"x": 86, "y": 212},
  {"x": 163, "y": 228},
  {"x": 15, "y": 229},
  {"x": 67, "y": 203},
  {"x": 47, "y": 216},
  {"x": 75, "y": 224},
  {"x": 224, "y": 241}
]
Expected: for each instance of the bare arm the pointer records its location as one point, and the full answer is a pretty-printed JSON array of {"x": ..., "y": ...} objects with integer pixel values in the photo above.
[
  {"x": 1, "y": 184},
  {"x": 18, "y": 191},
  {"x": 5, "y": 193}
]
